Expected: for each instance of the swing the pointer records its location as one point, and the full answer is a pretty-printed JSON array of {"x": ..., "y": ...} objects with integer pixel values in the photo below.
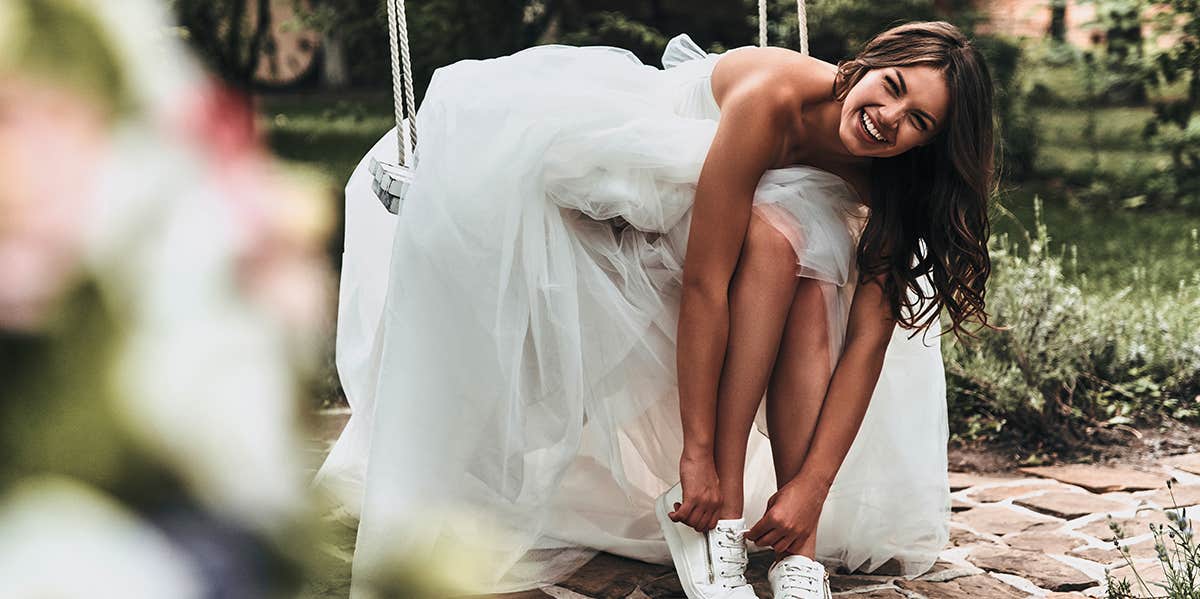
[{"x": 391, "y": 181}]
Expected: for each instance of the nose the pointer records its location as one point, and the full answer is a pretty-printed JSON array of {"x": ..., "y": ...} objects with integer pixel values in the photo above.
[{"x": 890, "y": 114}]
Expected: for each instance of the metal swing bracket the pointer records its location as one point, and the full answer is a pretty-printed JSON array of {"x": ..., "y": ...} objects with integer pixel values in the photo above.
[{"x": 390, "y": 183}]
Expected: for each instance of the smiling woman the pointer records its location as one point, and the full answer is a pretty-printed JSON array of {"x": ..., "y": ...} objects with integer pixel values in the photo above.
[
  {"x": 607, "y": 273},
  {"x": 891, "y": 115},
  {"x": 928, "y": 92}
]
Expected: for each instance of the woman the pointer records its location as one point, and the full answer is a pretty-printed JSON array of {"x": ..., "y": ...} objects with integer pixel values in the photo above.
[{"x": 593, "y": 248}]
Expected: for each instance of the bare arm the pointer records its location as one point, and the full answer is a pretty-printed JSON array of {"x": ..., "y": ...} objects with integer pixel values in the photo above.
[
  {"x": 743, "y": 148},
  {"x": 853, "y": 382},
  {"x": 792, "y": 513}
]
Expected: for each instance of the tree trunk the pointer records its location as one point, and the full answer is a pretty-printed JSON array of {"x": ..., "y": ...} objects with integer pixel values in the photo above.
[
  {"x": 335, "y": 74},
  {"x": 1058, "y": 20}
]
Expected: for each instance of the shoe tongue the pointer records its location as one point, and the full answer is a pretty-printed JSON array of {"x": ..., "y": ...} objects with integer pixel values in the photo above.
[
  {"x": 723, "y": 550},
  {"x": 800, "y": 561}
]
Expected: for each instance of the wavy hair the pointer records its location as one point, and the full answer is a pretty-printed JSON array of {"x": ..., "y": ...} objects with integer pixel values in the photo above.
[{"x": 929, "y": 205}]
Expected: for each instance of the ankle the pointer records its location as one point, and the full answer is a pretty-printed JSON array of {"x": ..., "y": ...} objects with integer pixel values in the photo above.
[
  {"x": 726, "y": 513},
  {"x": 730, "y": 509}
]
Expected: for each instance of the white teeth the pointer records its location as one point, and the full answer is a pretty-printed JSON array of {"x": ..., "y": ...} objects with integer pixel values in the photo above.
[{"x": 871, "y": 127}]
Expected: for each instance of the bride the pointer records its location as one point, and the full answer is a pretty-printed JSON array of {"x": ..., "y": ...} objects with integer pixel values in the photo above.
[{"x": 609, "y": 277}]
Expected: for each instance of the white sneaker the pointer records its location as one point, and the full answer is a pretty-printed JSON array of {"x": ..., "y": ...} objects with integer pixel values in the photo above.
[
  {"x": 798, "y": 577},
  {"x": 710, "y": 565}
]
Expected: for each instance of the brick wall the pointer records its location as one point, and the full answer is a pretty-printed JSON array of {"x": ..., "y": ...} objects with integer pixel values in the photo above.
[{"x": 1031, "y": 19}]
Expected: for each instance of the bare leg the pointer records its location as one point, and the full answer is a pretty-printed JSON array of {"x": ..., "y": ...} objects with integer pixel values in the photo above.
[
  {"x": 797, "y": 388},
  {"x": 761, "y": 292}
]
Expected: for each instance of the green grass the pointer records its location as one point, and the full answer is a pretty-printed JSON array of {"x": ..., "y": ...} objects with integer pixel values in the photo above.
[
  {"x": 328, "y": 133},
  {"x": 1151, "y": 251},
  {"x": 1118, "y": 148},
  {"x": 1118, "y": 128}
]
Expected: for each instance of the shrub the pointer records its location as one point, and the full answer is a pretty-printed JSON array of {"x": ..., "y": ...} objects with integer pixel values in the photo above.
[
  {"x": 1028, "y": 376},
  {"x": 1071, "y": 357}
]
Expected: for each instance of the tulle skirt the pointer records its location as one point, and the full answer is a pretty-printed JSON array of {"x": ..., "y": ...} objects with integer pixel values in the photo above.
[{"x": 508, "y": 350}]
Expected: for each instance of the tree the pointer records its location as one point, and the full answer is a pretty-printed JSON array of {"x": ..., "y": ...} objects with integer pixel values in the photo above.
[
  {"x": 1124, "y": 67},
  {"x": 440, "y": 32},
  {"x": 228, "y": 34},
  {"x": 1176, "y": 123},
  {"x": 1058, "y": 20}
]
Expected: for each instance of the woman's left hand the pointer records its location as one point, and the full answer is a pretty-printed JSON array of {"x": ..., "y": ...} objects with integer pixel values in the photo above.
[{"x": 791, "y": 517}]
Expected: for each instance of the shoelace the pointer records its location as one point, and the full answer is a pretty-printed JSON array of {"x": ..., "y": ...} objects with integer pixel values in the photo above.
[
  {"x": 798, "y": 578},
  {"x": 733, "y": 541}
]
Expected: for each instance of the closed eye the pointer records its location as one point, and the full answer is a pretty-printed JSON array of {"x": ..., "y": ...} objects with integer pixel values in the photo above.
[{"x": 896, "y": 92}]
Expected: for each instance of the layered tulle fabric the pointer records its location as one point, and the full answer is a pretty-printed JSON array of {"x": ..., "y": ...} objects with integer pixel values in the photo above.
[{"x": 507, "y": 345}]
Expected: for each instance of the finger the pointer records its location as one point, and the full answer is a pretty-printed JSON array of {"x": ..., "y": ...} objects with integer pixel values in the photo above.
[
  {"x": 757, "y": 530},
  {"x": 712, "y": 523},
  {"x": 702, "y": 517},
  {"x": 677, "y": 514},
  {"x": 684, "y": 513},
  {"x": 759, "y": 536},
  {"x": 772, "y": 537}
]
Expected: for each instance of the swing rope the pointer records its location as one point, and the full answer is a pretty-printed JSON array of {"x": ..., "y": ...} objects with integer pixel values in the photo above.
[
  {"x": 801, "y": 19},
  {"x": 403, "y": 98}
]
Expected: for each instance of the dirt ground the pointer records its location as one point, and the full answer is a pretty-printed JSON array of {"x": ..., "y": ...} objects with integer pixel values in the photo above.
[{"x": 1124, "y": 444}]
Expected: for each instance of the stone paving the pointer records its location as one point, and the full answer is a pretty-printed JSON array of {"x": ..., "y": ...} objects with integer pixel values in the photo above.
[{"x": 1033, "y": 532}]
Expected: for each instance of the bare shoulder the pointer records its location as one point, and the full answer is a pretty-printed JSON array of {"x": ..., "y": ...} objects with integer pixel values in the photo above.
[{"x": 777, "y": 77}]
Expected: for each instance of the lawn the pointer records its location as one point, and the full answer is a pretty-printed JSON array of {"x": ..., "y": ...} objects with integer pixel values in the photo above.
[
  {"x": 1151, "y": 251},
  {"x": 330, "y": 134}
]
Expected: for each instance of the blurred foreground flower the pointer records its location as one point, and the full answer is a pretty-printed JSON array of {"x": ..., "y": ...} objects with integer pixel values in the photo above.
[
  {"x": 61, "y": 538},
  {"x": 159, "y": 292},
  {"x": 163, "y": 292}
]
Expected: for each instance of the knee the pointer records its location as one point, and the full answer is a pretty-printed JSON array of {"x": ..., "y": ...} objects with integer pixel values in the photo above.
[{"x": 768, "y": 251}]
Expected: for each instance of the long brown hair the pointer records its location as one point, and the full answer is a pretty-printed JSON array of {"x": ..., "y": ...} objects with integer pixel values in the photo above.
[{"x": 935, "y": 194}]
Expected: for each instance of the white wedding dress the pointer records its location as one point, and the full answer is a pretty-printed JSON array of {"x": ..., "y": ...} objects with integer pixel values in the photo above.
[{"x": 509, "y": 353}]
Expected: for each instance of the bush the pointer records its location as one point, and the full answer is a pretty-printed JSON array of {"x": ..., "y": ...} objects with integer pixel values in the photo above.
[
  {"x": 615, "y": 29},
  {"x": 1027, "y": 377},
  {"x": 1072, "y": 359}
]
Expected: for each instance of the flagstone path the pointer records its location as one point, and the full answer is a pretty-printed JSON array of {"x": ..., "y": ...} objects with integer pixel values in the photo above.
[{"x": 1033, "y": 532}]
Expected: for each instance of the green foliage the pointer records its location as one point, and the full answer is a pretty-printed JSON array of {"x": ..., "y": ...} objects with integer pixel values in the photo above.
[
  {"x": 1176, "y": 125},
  {"x": 57, "y": 403},
  {"x": 837, "y": 29},
  {"x": 1125, "y": 74},
  {"x": 616, "y": 29},
  {"x": 1075, "y": 354},
  {"x": 1018, "y": 136},
  {"x": 1031, "y": 375},
  {"x": 445, "y": 31},
  {"x": 1130, "y": 71}
]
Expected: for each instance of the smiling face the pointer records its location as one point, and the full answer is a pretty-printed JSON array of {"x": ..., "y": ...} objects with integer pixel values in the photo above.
[{"x": 904, "y": 107}]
